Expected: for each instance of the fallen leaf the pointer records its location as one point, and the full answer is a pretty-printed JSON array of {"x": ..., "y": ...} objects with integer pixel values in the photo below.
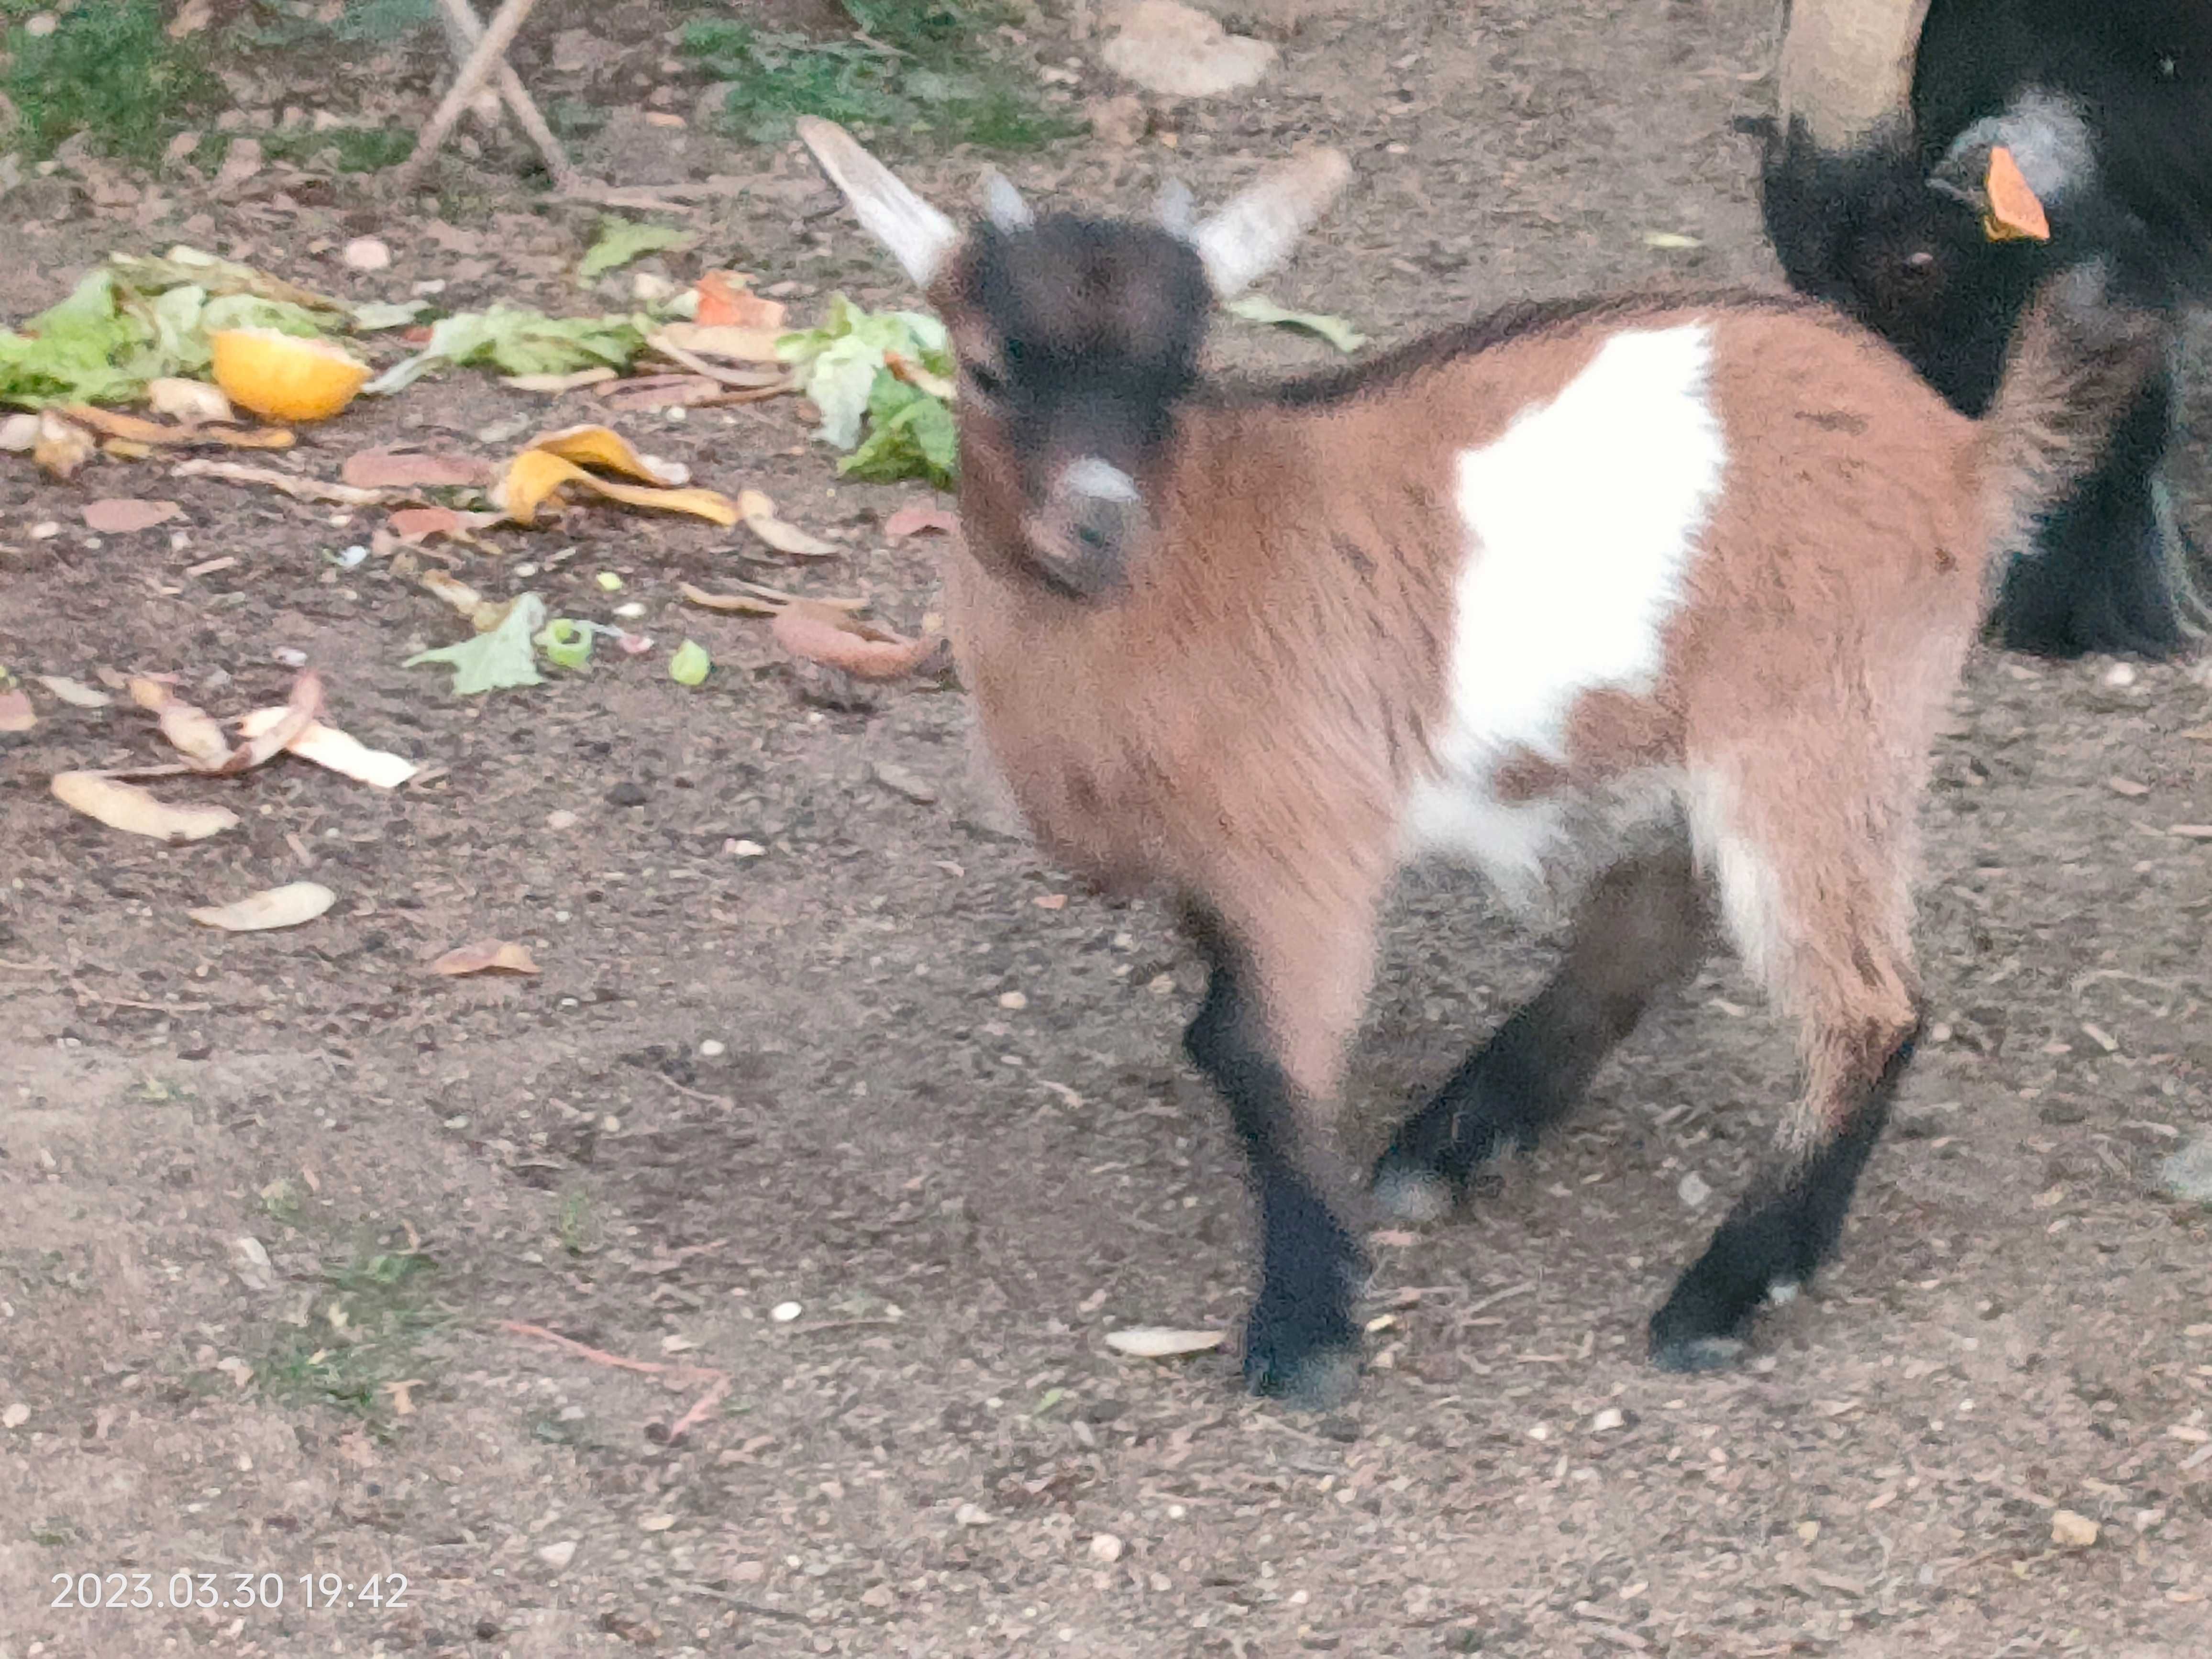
[
  {"x": 817, "y": 632},
  {"x": 132, "y": 429},
  {"x": 121, "y": 515},
  {"x": 16, "y": 713},
  {"x": 402, "y": 1404},
  {"x": 483, "y": 614},
  {"x": 62, "y": 446},
  {"x": 758, "y": 512},
  {"x": 191, "y": 730},
  {"x": 76, "y": 693},
  {"x": 517, "y": 342},
  {"x": 556, "y": 384},
  {"x": 126, "y": 807},
  {"x": 297, "y": 716},
  {"x": 327, "y": 746},
  {"x": 649, "y": 392},
  {"x": 1671, "y": 240},
  {"x": 603, "y": 448},
  {"x": 504, "y": 658},
  {"x": 919, "y": 520},
  {"x": 418, "y": 524},
  {"x": 302, "y": 490},
  {"x": 1258, "y": 308},
  {"x": 732, "y": 343},
  {"x": 620, "y": 241},
  {"x": 758, "y": 599},
  {"x": 724, "y": 302},
  {"x": 395, "y": 469},
  {"x": 485, "y": 955},
  {"x": 193, "y": 401},
  {"x": 689, "y": 666},
  {"x": 276, "y": 907},
  {"x": 1162, "y": 1342}
]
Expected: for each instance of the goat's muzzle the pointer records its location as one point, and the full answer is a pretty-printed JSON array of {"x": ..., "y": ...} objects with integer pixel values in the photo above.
[{"x": 1091, "y": 528}]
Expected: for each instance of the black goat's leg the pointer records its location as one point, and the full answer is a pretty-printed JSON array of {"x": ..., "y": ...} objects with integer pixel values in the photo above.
[
  {"x": 1301, "y": 1339},
  {"x": 1642, "y": 927}
]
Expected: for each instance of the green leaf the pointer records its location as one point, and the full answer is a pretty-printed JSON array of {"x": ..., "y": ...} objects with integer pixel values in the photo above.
[
  {"x": 519, "y": 342},
  {"x": 691, "y": 664},
  {"x": 844, "y": 359},
  {"x": 494, "y": 661},
  {"x": 371, "y": 315},
  {"x": 620, "y": 241},
  {"x": 1258, "y": 308},
  {"x": 912, "y": 435},
  {"x": 82, "y": 351}
]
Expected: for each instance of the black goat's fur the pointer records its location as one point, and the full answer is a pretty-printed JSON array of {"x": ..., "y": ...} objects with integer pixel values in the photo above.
[{"x": 2109, "y": 570}]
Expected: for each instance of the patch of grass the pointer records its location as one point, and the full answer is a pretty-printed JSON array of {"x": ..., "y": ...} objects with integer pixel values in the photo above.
[
  {"x": 360, "y": 149},
  {"x": 108, "y": 68},
  {"x": 361, "y": 1334},
  {"x": 578, "y": 1228},
  {"x": 914, "y": 68},
  {"x": 53, "y": 1535}
]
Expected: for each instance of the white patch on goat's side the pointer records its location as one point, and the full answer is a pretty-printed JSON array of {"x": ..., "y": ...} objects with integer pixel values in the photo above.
[{"x": 1582, "y": 519}]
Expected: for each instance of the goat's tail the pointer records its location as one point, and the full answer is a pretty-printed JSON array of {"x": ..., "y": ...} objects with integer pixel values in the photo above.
[{"x": 2080, "y": 359}]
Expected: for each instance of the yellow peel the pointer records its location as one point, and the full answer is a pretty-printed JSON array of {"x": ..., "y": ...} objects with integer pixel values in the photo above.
[
  {"x": 283, "y": 377},
  {"x": 536, "y": 476},
  {"x": 603, "y": 447}
]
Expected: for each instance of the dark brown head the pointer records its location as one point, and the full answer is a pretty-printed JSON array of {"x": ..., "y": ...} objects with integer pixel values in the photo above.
[{"x": 1077, "y": 339}]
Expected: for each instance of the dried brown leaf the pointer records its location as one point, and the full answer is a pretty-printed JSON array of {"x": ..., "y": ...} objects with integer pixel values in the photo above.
[
  {"x": 16, "y": 713},
  {"x": 397, "y": 469},
  {"x": 919, "y": 520},
  {"x": 276, "y": 907},
  {"x": 485, "y": 955},
  {"x": 325, "y": 745},
  {"x": 125, "y": 806},
  {"x": 122, "y": 515},
  {"x": 820, "y": 634}
]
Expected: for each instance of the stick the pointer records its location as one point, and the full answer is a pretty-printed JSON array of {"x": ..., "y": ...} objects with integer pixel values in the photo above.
[
  {"x": 506, "y": 23},
  {"x": 468, "y": 29}
]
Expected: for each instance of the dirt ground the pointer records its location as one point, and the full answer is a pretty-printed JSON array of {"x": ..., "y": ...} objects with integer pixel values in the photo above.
[{"x": 883, "y": 1130}]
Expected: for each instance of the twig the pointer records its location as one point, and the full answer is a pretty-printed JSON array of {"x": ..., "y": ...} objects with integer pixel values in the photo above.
[
  {"x": 490, "y": 48},
  {"x": 468, "y": 29},
  {"x": 739, "y": 1601},
  {"x": 718, "y": 1382},
  {"x": 33, "y": 967},
  {"x": 694, "y": 1094},
  {"x": 91, "y": 995}
]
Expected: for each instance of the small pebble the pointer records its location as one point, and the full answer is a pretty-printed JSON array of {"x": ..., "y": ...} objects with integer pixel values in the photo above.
[
  {"x": 2071, "y": 1531},
  {"x": 558, "y": 1555},
  {"x": 2187, "y": 1174},
  {"x": 1105, "y": 1546},
  {"x": 656, "y": 1523},
  {"x": 711, "y": 1048},
  {"x": 561, "y": 819},
  {"x": 1610, "y": 1418},
  {"x": 15, "y": 1416},
  {"x": 972, "y": 1515},
  {"x": 784, "y": 1312},
  {"x": 744, "y": 849},
  {"x": 900, "y": 781},
  {"x": 366, "y": 253},
  {"x": 1694, "y": 1189},
  {"x": 630, "y": 611},
  {"x": 2120, "y": 674},
  {"x": 626, "y": 793},
  {"x": 1013, "y": 1001}
]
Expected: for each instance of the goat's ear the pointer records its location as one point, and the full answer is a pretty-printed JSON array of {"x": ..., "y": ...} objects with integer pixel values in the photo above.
[
  {"x": 917, "y": 235},
  {"x": 1254, "y": 232}
]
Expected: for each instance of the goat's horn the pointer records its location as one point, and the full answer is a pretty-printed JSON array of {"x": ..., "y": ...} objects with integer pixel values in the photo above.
[
  {"x": 917, "y": 235},
  {"x": 1255, "y": 231},
  {"x": 1003, "y": 204},
  {"x": 1846, "y": 68}
]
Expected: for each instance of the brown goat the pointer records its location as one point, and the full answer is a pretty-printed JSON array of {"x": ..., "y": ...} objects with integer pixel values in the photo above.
[{"x": 1653, "y": 599}]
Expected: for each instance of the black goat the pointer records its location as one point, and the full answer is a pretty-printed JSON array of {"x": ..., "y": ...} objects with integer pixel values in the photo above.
[{"x": 1874, "y": 200}]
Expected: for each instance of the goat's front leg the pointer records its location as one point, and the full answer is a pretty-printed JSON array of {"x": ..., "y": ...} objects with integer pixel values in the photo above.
[{"x": 1301, "y": 1341}]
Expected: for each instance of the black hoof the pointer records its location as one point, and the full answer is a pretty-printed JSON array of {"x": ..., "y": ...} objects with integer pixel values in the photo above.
[{"x": 1306, "y": 1357}]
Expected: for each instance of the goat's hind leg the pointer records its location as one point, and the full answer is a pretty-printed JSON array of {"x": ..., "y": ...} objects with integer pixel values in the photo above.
[
  {"x": 1642, "y": 926},
  {"x": 1827, "y": 929}
]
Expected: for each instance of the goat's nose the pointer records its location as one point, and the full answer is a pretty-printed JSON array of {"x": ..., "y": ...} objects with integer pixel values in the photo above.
[{"x": 1094, "y": 523}]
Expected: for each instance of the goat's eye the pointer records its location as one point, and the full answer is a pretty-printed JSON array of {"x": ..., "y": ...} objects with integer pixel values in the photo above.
[{"x": 985, "y": 381}]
